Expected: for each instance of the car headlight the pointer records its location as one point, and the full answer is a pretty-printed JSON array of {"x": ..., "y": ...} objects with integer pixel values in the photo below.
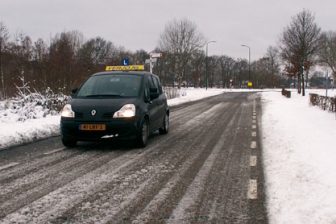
[
  {"x": 67, "y": 111},
  {"x": 127, "y": 110}
]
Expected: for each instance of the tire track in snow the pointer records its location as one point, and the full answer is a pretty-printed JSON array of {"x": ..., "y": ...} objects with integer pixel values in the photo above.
[
  {"x": 110, "y": 208},
  {"x": 182, "y": 213}
]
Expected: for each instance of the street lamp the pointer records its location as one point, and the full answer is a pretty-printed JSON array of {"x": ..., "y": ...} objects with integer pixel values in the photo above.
[
  {"x": 206, "y": 63},
  {"x": 243, "y": 45}
]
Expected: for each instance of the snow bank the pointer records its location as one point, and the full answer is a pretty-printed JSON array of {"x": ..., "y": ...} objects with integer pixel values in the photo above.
[
  {"x": 193, "y": 94},
  {"x": 14, "y": 133},
  {"x": 299, "y": 160}
]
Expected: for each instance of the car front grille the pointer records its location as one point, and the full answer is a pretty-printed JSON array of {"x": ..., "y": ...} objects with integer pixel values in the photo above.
[{"x": 105, "y": 116}]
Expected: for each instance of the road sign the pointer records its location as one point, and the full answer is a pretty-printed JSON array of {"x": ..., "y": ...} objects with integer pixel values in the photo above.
[
  {"x": 125, "y": 61},
  {"x": 155, "y": 55},
  {"x": 153, "y": 60}
]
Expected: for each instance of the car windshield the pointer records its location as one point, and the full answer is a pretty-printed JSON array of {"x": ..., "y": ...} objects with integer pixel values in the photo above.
[{"x": 113, "y": 85}]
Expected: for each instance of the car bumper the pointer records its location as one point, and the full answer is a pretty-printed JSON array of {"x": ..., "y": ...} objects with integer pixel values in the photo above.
[{"x": 118, "y": 128}]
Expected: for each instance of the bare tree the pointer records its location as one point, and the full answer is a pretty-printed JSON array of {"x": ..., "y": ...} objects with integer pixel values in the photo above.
[
  {"x": 300, "y": 43},
  {"x": 40, "y": 60},
  {"x": 273, "y": 57},
  {"x": 226, "y": 66},
  {"x": 327, "y": 52},
  {"x": 3, "y": 39},
  {"x": 95, "y": 52},
  {"x": 181, "y": 39},
  {"x": 64, "y": 49}
]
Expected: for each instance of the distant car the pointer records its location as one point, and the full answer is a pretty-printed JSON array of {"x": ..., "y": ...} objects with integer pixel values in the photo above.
[{"x": 115, "y": 104}]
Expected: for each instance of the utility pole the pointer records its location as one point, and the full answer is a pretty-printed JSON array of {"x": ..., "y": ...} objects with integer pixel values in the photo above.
[
  {"x": 326, "y": 83},
  {"x": 206, "y": 63},
  {"x": 1, "y": 71},
  {"x": 249, "y": 61}
]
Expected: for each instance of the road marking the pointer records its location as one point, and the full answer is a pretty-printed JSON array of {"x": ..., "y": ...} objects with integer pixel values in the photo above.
[
  {"x": 253, "y": 160},
  {"x": 253, "y": 144},
  {"x": 254, "y": 121},
  {"x": 252, "y": 192},
  {"x": 54, "y": 151},
  {"x": 254, "y": 117},
  {"x": 254, "y": 126},
  {"x": 254, "y": 134},
  {"x": 8, "y": 166}
]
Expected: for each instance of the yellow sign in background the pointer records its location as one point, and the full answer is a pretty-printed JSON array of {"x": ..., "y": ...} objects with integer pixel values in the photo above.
[{"x": 125, "y": 68}]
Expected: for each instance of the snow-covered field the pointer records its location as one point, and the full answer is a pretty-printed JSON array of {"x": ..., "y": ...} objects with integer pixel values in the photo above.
[
  {"x": 299, "y": 159},
  {"x": 299, "y": 152}
]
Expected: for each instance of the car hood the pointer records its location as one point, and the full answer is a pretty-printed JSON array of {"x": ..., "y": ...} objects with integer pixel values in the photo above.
[{"x": 98, "y": 108}]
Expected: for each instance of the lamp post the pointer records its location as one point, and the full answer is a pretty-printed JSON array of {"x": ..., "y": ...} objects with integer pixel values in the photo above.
[
  {"x": 249, "y": 50},
  {"x": 206, "y": 63}
]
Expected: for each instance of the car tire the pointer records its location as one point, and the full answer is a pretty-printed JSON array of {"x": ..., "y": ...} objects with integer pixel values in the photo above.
[
  {"x": 165, "y": 125},
  {"x": 67, "y": 142},
  {"x": 143, "y": 134}
]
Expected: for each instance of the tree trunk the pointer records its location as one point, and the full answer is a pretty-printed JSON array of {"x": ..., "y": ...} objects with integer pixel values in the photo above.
[
  {"x": 303, "y": 85},
  {"x": 299, "y": 83}
]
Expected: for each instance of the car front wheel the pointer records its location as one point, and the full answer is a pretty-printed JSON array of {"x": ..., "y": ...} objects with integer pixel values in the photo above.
[
  {"x": 165, "y": 125},
  {"x": 143, "y": 134}
]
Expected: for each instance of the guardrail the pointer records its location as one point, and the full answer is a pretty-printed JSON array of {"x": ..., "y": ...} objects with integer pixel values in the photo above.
[
  {"x": 286, "y": 93},
  {"x": 325, "y": 103}
]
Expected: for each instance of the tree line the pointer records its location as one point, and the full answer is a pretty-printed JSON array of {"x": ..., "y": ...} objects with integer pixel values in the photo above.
[{"x": 68, "y": 58}]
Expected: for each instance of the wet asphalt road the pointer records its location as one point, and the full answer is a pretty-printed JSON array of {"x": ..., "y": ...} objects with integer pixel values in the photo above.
[{"x": 207, "y": 169}]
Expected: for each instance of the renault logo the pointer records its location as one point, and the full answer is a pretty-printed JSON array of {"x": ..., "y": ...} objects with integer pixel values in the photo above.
[{"x": 93, "y": 112}]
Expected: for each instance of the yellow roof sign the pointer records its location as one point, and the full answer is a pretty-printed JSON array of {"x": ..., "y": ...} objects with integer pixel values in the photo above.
[{"x": 125, "y": 68}]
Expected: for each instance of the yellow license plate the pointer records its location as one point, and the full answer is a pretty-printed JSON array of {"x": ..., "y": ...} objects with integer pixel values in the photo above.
[{"x": 92, "y": 127}]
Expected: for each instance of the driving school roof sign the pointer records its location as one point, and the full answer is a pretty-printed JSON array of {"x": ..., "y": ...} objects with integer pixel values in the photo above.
[{"x": 125, "y": 68}]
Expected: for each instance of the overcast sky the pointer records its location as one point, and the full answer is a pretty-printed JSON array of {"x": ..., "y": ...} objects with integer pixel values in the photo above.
[{"x": 137, "y": 24}]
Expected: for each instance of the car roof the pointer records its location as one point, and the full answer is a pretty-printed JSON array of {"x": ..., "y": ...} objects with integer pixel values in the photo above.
[{"x": 141, "y": 73}]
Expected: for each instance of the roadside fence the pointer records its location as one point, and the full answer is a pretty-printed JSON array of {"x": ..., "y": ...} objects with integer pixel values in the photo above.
[{"x": 325, "y": 103}]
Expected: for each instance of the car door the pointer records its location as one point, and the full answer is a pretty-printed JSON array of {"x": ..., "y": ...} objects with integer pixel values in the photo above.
[
  {"x": 152, "y": 105},
  {"x": 160, "y": 102}
]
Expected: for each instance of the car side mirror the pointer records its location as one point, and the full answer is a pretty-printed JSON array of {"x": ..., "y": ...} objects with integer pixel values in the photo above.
[
  {"x": 74, "y": 91},
  {"x": 154, "y": 93}
]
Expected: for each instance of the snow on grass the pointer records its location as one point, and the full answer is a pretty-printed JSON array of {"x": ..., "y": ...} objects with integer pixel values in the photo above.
[
  {"x": 299, "y": 160},
  {"x": 14, "y": 133},
  {"x": 193, "y": 94}
]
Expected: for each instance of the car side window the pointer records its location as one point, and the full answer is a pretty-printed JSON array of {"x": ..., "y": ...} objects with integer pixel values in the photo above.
[
  {"x": 147, "y": 86},
  {"x": 151, "y": 82},
  {"x": 160, "y": 87},
  {"x": 157, "y": 84}
]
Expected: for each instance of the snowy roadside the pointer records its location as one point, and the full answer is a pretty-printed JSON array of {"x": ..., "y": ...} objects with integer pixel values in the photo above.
[
  {"x": 299, "y": 159},
  {"x": 13, "y": 132}
]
